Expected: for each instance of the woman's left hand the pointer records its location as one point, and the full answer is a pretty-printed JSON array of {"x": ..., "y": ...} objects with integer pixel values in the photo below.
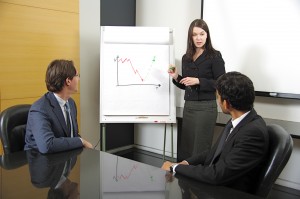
[{"x": 190, "y": 81}]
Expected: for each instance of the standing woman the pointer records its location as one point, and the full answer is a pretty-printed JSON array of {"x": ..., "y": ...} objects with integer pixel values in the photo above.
[{"x": 201, "y": 66}]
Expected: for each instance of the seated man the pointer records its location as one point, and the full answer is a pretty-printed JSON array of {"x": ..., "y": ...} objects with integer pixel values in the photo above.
[
  {"x": 237, "y": 157},
  {"x": 52, "y": 120}
]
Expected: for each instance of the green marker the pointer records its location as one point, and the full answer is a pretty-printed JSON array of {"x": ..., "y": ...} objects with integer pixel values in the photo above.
[{"x": 172, "y": 68}]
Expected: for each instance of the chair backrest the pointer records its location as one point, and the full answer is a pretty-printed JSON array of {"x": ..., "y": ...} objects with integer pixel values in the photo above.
[
  {"x": 13, "y": 160},
  {"x": 13, "y": 122},
  {"x": 280, "y": 149}
]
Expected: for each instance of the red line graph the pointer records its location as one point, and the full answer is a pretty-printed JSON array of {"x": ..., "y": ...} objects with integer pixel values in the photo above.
[
  {"x": 141, "y": 77},
  {"x": 125, "y": 177},
  {"x": 136, "y": 72}
]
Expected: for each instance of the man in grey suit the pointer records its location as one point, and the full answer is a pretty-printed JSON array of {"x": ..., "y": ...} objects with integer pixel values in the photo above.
[
  {"x": 52, "y": 120},
  {"x": 236, "y": 158}
]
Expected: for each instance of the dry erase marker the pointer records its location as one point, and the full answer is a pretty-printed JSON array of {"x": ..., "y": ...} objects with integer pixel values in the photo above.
[{"x": 172, "y": 68}]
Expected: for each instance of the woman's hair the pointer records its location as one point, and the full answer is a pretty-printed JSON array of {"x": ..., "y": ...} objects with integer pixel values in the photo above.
[
  {"x": 57, "y": 73},
  {"x": 237, "y": 89},
  {"x": 191, "y": 49}
]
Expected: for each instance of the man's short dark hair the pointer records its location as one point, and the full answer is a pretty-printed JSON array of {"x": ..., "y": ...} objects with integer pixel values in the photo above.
[
  {"x": 57, "y": 73},
  {"x": 237, "y": 89}
]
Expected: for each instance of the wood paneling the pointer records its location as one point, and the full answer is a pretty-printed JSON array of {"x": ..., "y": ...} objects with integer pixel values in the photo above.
[
  {"x": 33, "y": 33},
  {"x": 62, "y": 5},
  {"x": 31, "y": 38}
]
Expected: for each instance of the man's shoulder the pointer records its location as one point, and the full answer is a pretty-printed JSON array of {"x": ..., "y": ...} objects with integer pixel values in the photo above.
[
  {"x": 42, "y": 102},
  {"x": 256, "y": 118},
  {"x": 256, "y": 126},
  {"x": 253, "y": 124}
]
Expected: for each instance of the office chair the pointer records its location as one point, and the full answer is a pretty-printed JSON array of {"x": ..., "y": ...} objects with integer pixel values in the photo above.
[
  {"x": 280, "y": 149},
  {"x": 13, "y": 122},
  {"x": 13, "y": 160}
]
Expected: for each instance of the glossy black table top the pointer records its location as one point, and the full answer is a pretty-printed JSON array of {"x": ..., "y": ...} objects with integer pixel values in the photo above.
[{"x": 93, "y": 174}]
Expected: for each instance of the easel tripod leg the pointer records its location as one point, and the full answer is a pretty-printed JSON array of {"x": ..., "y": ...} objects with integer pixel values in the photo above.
[
  {"x": 164, "y": 151},
  {"x": 103, "y": 135}
]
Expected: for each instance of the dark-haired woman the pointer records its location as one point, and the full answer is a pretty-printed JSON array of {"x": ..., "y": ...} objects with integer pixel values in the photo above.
[{"x": 201, "y": 66}]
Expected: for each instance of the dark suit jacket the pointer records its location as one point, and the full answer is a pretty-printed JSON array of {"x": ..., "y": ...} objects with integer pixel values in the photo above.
[
  {"x": 46, "y": 128},
  {"x": 239, "y": 161}
]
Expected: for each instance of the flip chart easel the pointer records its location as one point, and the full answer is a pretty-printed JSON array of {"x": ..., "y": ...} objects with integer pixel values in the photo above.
[{"x": 134, "y": 84}]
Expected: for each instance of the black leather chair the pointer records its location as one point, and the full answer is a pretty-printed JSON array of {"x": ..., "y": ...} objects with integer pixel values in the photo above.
[
  {"x": 13, "y": 122},
  {"x": 13, "y": 160},
  {"x": 280, "y": 149}
]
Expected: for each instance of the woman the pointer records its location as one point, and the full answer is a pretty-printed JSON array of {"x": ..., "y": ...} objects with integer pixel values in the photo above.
[{"x": 201, "y": 66}]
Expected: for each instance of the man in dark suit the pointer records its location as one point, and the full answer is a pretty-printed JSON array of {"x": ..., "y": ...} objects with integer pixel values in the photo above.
[
  {"x": 52, "y": 120},
  {"x": 241, "y": 153}
]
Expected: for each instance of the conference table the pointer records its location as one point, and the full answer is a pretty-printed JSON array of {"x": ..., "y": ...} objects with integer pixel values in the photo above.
[{"x": 89, "y": 174}]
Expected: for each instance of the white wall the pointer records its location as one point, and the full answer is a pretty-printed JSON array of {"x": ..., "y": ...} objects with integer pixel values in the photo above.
[{"x": 89, "y": 22}]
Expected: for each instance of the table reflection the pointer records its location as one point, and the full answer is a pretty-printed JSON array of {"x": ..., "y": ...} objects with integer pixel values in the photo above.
[
  {"x": 52, "y": 171},
  {"x": 130, "y": 179},
  {"x": 91, "y": 174}
]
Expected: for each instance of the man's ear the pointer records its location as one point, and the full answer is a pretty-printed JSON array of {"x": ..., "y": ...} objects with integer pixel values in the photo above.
[
  {"x": 226, "y": 105},
  {"x": 68, "y": 81}
]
